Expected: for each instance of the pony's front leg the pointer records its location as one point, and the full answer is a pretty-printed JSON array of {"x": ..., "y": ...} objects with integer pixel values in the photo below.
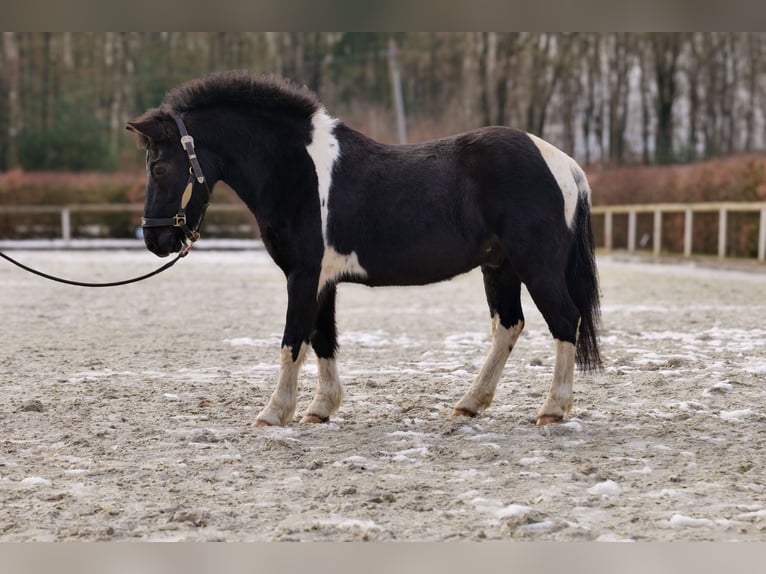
[
  {"x": 301, "y": 313},
  {"x": 325, "y": 344}
]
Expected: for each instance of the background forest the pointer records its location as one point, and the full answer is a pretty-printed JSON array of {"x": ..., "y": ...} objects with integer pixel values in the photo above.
[
  {"x": 653, "y": 117},
  {"x": 607, "y": 98}
]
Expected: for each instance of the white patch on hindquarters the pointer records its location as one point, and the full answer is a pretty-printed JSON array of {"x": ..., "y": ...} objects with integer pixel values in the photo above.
[
  {"x": 569, "y": 176},
  {"x": 324, "y": 151}
]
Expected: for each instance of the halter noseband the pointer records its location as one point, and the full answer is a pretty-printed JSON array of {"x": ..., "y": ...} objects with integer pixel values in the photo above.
[{"x": 195, "y": 173}]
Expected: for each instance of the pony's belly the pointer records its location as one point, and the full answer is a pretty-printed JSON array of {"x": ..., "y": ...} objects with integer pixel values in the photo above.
[{"x": 416, "y": 269}]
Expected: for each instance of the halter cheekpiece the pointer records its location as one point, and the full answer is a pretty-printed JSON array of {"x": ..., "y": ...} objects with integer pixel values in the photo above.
[{"x": 195, "y": 175}]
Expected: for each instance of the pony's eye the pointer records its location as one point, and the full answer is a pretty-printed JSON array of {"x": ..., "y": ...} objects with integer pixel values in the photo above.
[{"x": 159, "y": 171}]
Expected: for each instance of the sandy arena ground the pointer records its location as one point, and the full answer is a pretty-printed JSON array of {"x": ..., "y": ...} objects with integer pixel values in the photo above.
[{"x": 125, "y": 412}]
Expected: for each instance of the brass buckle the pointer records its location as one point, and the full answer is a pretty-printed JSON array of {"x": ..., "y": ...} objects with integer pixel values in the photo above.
[{"x": 179, "y": 220}]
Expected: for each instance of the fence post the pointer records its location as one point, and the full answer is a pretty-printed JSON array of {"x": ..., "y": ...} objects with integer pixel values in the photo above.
[
  {"x": 688, "y": 231},
  {"x": 632, "y": 231},
  {"x": 657, "y": 240},
  {"x": 608, "y": 230},
  {"x": 66, "y": 224},
  {"x": 722, "y": 233},
  {"x": 762, "y": 237}
]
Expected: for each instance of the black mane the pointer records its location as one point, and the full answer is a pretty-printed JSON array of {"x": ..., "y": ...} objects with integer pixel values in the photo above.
[{"x": 233, "y": 88}]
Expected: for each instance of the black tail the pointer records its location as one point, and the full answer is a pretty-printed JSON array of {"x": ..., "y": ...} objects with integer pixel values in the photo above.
[{"x": 582, "y": 282}]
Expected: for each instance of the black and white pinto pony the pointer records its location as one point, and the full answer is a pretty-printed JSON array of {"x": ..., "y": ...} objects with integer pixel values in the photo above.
[{"x": 334, "y": 205}]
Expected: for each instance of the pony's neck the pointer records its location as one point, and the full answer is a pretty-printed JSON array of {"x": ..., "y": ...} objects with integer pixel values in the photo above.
[{"x": 257, "y": 153}]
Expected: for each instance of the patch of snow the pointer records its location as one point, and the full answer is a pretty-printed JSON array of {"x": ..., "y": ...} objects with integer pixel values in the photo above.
[
  {"x": 415, "y": 434},
  {"x": 466, "y": 340},
  {"x": 407, "y": 454},
  {"x": 293, "y": 481},
  {"x": 681, "y": 521},
  {"x": 665, "y": 493},
  {"x": 722, "y": 387},
  {"x": 349, "y": 523},
  {"x": 537, "y": 526},
  {"x": 737, "y": 415},
  {"x": 36, "y": 481},
  {"x": 728, "y": 523},
  {"x": 754, "y": 514},
  {"x": 514, "y": 510},
  {"x": 250, "y": 342},
  {"x": 532, "y": 460},
  {"x": 356, "y": 459},
  {"x": 496, "y": 508},
  {"x": 574, "y": 426},
  {"x": 486, "y": 436},
  {"x": 612, "y": 537},
  {"x": 606, "y": 488}
]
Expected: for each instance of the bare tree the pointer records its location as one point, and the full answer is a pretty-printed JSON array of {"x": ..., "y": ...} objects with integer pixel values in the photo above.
[
  {"x": 619, "y": 62},
  {"x": 548, "y": 59},
  {"x": 666, "y": 48},
  {"x": 12, "y": 81},
  {"x": 754, "y": 44},
  {"x": 591, "y": 61}
]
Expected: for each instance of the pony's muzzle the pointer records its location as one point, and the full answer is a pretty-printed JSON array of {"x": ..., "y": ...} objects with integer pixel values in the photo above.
[{"x": 162, "y": 241}]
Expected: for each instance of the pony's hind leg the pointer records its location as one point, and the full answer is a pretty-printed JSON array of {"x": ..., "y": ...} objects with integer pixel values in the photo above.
[
  {"x": 503, "y": 290},
  {"x": 550, "y": 294},
  {"x": 325, "y": 343}
]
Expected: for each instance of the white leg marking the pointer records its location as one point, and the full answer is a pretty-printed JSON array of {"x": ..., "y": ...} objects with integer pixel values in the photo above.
[
  {"x": 281, "y": 407},
  {"x": 568, "y": 174},
  {"x": 324, "y": 151},
  {"x": 329, "y": 394},
  {"x": 559, "y": 399},
  {"x": 480, "y": 395}
]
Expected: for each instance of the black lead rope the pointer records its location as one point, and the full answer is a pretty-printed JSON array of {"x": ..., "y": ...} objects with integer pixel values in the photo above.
[
  {"x": 178, "y": 220},
  {"x": 167, "y": 265}
]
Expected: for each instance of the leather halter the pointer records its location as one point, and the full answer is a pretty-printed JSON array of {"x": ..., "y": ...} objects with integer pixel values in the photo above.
[{"x": 195, "y": 174}]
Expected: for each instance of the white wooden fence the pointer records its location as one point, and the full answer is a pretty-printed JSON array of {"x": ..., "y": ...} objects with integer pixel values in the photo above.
[
  {"x": 608, "y": 211},
  {"x": 688, "y": 209},
  {"x": 66, "y": 211}
]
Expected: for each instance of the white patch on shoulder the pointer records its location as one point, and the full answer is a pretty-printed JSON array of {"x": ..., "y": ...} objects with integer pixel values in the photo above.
[
  {"x": 568, "y": 174},
  {"x": 324, "y": 151}
]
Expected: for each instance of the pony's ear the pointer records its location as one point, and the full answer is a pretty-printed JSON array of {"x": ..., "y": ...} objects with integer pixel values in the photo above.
[
  {"x": 152, "y": 126},
  {"x": 148, "y": 128}
]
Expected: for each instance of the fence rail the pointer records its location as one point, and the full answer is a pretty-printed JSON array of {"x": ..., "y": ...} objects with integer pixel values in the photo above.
[
  {"x": 608, "y": 211},
  {"x": 688, "y": 209},
  {"x": 66, "y": 211}
]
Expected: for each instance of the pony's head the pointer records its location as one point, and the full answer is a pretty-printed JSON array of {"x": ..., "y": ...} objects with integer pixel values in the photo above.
[{"x": 177, "y": 189}]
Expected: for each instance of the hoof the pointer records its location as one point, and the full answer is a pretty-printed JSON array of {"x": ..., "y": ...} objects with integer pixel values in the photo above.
[
  {"x": 313, "y": 419},
  {"x": 260, "y": 424},
  {"x": 463, "y": 413},
  {"x": 543, "y": 420}
]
